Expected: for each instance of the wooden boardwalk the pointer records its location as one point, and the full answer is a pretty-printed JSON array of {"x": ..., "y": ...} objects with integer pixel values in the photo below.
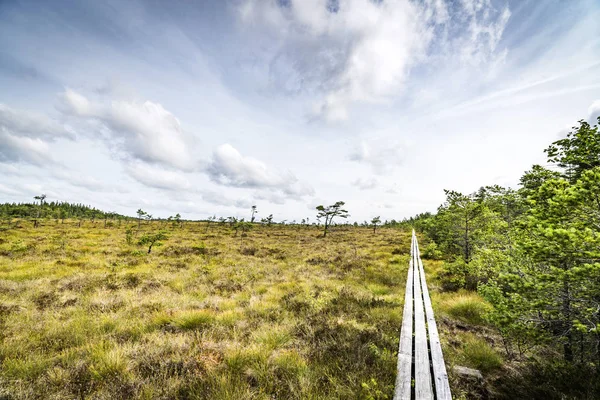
[{"x": 420, "y": 358}]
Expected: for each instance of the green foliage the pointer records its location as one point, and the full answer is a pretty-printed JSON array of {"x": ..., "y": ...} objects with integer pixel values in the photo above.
[
  {"x": 534, "y": 178},
  {"x": 374, "y": 222},
  {"x": 533, "y": 254},
  {"x": 578, "y": 152},
  {"x": 432, "y": 252},
  {"x": 129, "y": 236},
  {"x": 268, "y": 220},
  {"x": 61, "y": 210},
  {"x": 152, "y": 239}
]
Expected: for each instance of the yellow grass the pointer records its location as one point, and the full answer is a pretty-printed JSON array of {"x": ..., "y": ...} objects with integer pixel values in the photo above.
[{"x": 287, "y": 314}]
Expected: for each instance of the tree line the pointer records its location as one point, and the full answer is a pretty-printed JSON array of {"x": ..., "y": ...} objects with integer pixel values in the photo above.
[{"x": 54, "y": 210}]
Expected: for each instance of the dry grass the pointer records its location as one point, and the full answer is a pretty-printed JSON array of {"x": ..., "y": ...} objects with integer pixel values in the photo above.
[{"x": 287, "y": 315}]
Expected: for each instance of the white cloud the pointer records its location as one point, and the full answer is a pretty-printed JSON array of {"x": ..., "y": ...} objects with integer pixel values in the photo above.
[
  {"x": 382, "y": 156},
  {"x": 25, "y": 136},
  {"x": 594, "y": 112},
  {"x": 84, "y": 181},
  {"x": 219, "y": 198},
  {"x": 229, "y": 167},
  {"x": 75, "y": 103},
  {"x": 157, "y": 177},
  {"x": 9, "y": 190},
  {"x": 366, "y": 183},
  {"x": 144, "y": 131},
  {"x": 32, "y": 125},
  {"x": 363, "y": 50},
  {"x": 24, "y": 149},
  {"x": 273, "y": 198}
]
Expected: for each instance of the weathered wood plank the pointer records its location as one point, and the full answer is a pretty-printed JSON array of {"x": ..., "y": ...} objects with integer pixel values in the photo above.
[
  {"x": 404, "y": 366},
  {"x": 426, "y": 352},
  {"x": 442, "y": 386},
  {"x": 423, "y": 386}
]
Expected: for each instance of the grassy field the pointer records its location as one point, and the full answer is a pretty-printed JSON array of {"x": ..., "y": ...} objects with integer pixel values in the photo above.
[
  {"x": 86, "y": 312},
  {"x": 281, "y": 313}
]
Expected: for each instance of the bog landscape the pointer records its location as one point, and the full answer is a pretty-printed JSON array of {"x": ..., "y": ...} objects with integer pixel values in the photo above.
[
  {"x": 99, "y": 305},
  {"x": 299, "y": 199}
]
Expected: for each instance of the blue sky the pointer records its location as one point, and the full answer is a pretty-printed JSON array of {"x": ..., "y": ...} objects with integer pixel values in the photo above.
[{"x": 209, "y": 107}]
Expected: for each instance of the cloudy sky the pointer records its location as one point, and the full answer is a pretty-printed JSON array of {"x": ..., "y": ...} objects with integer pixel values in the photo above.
[{"x": 208, "y": 107}]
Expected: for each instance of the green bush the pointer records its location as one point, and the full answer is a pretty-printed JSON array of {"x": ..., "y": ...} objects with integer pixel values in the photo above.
[{"x": 432, "y": 252}]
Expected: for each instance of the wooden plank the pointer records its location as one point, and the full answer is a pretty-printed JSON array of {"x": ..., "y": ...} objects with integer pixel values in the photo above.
[
  {"x": 423, "y": 386},
  {"x": 442, "y": 386},
  {"x": 404, "y": 366}
]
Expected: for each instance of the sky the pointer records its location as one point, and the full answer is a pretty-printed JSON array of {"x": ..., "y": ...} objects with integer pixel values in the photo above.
[{"x": 209, "y": 107}]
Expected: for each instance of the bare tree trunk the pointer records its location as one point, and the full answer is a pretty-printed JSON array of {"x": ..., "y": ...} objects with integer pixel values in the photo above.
[
  {"x": 467, "y": 255},
  {"x": 566, "y": 311}
]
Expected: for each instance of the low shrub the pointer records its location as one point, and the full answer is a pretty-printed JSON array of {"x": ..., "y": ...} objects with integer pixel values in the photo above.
[{"x": 432, "y": 252}]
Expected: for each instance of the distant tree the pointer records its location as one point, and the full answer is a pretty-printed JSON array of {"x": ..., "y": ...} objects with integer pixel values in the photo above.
[
  {"x": 268, "y": 221},
  {"x": 458, "y": 221},
  {"x": 375, "y": 221},
  {"x": 244, "y": 227},
  {"x": 109, "y": 215},
  {"x": 236, "y": 224},
  {"x": 253, "y": 213},
  {"x": 41, "y": 198},
  {"x": 62, "y": 214},
  {"x": 208, "y": 221},
  {"x": 141, "y": 214},
  {"x": 330, "y": 212},
  {"x": 176, "y": 220},
  {"x": 154, "y": 239},
  {"x": 232, "y": 221}
]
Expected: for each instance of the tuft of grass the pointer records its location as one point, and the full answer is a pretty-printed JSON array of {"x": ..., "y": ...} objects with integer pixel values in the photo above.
[
  {"x": 197, "y": 319},
  {"x": 478, "y": 354},
  {"x": 274, "y": 337},
  {"x": 108, "y": 363},
  {"x": 467, "y": 307}
]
